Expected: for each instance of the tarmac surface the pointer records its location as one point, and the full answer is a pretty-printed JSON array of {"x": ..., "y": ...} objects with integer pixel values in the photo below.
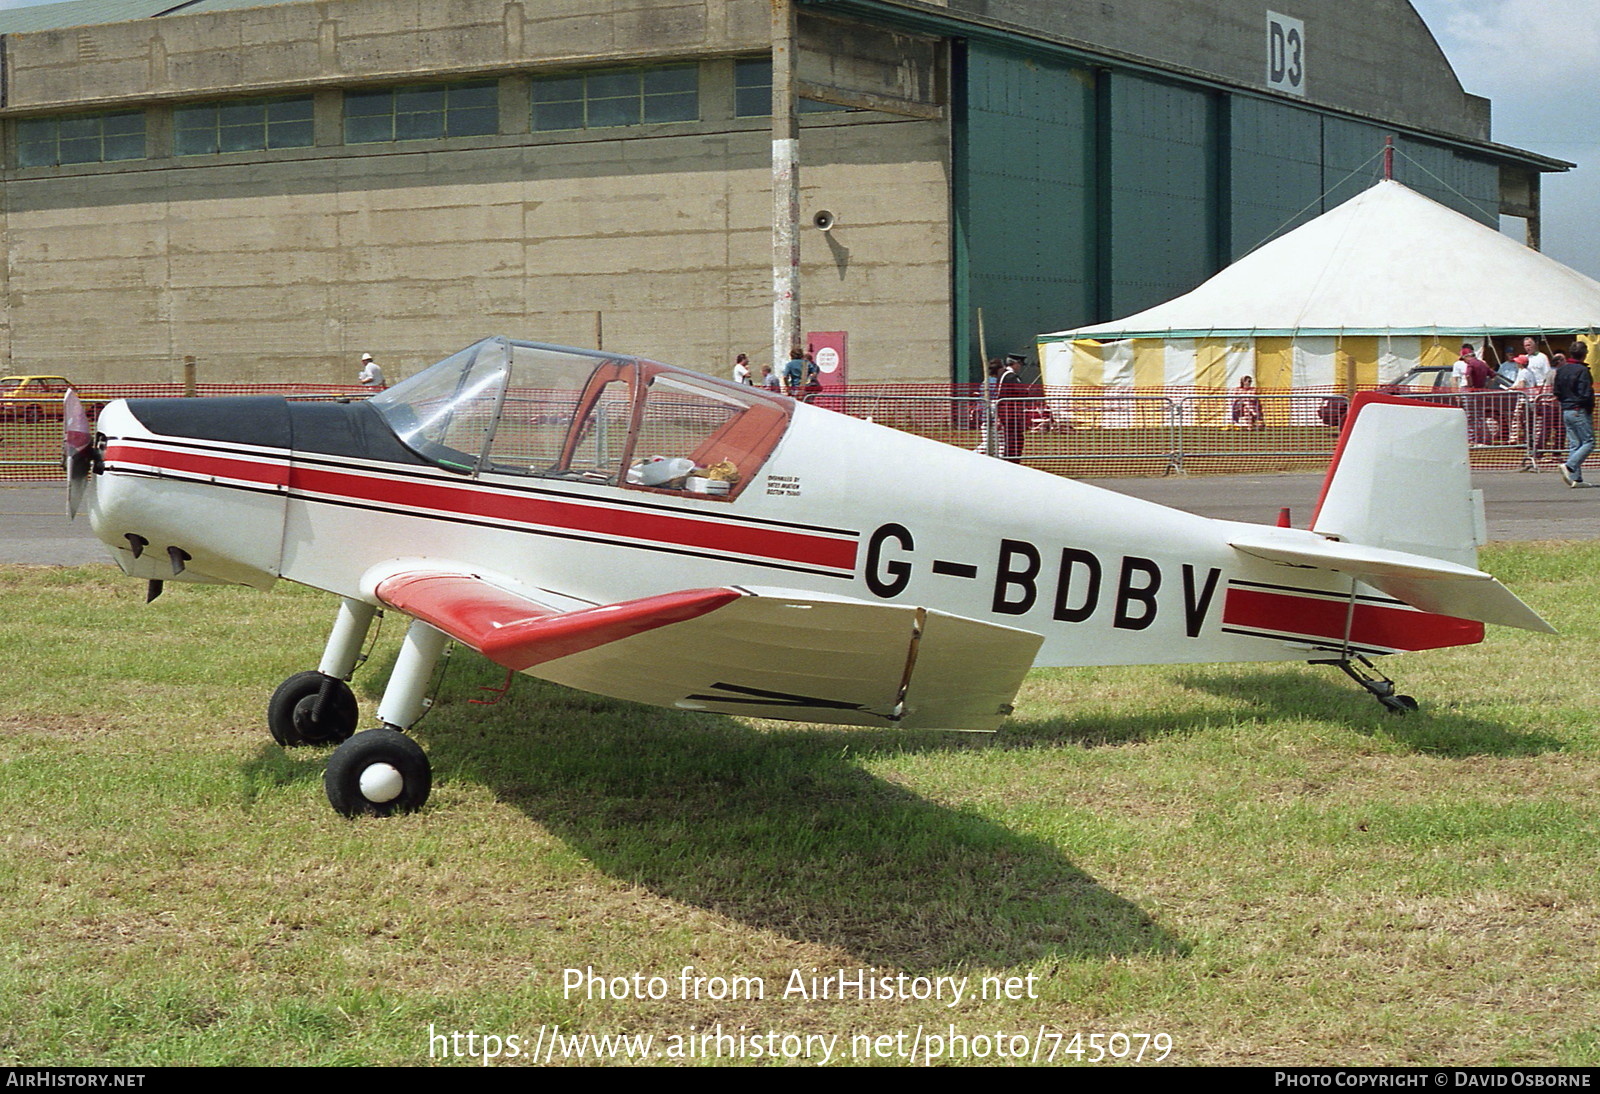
[{"x": 1520, "y": 506}]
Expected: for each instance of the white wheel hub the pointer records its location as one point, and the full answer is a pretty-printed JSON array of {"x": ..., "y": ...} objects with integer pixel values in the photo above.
[{"x": 381, "y": 782}]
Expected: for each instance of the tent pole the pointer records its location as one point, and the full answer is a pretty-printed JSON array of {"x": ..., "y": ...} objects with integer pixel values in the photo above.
[{"x": 983, "y": 382}]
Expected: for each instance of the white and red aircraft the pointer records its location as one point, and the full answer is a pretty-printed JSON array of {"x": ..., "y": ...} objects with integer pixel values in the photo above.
[{"x": 652, "y": 534}]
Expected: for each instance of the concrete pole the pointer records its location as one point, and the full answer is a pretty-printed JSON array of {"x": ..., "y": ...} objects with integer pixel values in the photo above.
[{"x": 785, "y": 187}]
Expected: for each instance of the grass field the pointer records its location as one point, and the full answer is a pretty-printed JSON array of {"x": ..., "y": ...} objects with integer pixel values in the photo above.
[{"x": 1253, "y": 861}]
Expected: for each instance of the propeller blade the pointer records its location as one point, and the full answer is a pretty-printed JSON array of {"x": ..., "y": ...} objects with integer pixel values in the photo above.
[{"x": 77, "y": 446}]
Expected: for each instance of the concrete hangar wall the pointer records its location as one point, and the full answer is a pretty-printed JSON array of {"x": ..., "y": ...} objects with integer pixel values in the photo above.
[{"x": 274, "y": 190}]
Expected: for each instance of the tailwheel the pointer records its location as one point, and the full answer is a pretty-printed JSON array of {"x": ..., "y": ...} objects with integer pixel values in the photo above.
[
  {"x": 1379, "y": 686},
  {"x": 310, "y": 708},
  {"x": 378, "y": 772},
  {"x": 1398, "y": 704}
]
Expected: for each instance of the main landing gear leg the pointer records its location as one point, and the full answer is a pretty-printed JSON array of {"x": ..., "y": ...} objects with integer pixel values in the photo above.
[
  {"x": 382, "y": 771},
  {"x": 350, "y": 628},
  {"x": 319, "y": 707},
  {"x": 1376, "y": 683}
]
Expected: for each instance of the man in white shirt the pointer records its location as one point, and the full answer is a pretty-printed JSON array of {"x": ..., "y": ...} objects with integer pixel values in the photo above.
[
  {"x": 370, "y": 375},
  {"x": 1538, "y": 363}
]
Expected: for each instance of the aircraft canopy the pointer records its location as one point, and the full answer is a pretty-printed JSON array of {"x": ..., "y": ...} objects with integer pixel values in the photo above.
[{"x": 529, "y": 409}]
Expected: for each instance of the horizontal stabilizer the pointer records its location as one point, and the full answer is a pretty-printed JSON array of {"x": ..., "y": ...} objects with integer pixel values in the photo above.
[
  {"x": 766, "y": 653},
  {"x": 1430, "y": 584}
]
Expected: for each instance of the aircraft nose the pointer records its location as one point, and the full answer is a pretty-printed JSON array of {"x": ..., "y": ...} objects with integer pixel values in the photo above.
[{"x": 176, "y": 504}]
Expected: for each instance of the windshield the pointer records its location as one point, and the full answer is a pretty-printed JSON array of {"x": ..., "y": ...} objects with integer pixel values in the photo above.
[{"x": 525, "y": 408}]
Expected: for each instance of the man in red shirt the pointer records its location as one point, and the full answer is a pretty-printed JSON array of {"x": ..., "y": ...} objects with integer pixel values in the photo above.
[{"x": 1475, "y": 375}]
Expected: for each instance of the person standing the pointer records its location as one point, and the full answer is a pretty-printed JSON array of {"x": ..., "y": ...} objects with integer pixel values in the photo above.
[
  {"x": 770, "y": 381},
  {"x": 741, "y": 370},
  {"x": 813, "y": 375},
  {"x": 370, "y": 375},
  {"x": 1538, "y": 363},
  {"x": 1476, "y": 374},
  {"x": 1011, "y": 409},
  {"x": 798, "y": 374},
  {"x": 1508, "y": 364},
  {"x": 1574, "y": 390}
]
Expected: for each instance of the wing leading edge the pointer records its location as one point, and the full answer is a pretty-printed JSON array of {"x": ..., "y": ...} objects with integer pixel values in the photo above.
[{"x": 760, "y": 652}]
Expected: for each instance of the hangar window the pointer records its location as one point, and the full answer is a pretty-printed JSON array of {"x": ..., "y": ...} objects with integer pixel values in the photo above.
[
  {"x": 422, "y": 113},
  {"x": 247, "y": 125},
  {"x": 599, "y": 100},
  {"x": 752, "y": 92},
  {"x": 85, "y": 138}
]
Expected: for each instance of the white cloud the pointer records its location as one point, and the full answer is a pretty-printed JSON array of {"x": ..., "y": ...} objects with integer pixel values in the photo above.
[{"x": 1503, "y": 29}]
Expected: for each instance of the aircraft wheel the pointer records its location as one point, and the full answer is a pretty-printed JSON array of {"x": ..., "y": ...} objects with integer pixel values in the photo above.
[
  {"x": 1399, "y": 704},
  {"x": 291, "y": 712},
  {"x": 378, "y": 772}
]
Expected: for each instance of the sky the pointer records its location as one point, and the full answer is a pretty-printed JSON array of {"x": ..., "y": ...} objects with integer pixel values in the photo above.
[{"x": 1538, "y": 61}]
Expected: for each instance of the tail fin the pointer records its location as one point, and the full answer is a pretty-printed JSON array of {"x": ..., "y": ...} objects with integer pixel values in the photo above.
[
  {"x": 1398, "y": 512},
  {"x": 1400, "y": 480}
]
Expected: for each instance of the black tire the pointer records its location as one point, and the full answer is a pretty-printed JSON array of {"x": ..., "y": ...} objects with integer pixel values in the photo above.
[
  {"x": 290, "y": 712},
  {"x": 32, "y": 415},
  {"x": 369, "y": 750},
  {"x": 1399, "y": 704}
]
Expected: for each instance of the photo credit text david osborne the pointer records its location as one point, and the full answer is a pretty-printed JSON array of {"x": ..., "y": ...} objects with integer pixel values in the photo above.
[{"x": 1355, "y": 1078}]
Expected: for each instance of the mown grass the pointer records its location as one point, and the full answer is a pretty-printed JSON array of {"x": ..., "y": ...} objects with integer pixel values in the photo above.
[{"x": 1254, "y": 860}]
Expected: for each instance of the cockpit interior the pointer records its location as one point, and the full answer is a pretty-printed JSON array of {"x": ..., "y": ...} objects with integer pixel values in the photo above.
[{"x": 523, "y": 408}]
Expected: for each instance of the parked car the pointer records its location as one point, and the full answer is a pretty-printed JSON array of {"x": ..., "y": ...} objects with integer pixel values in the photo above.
[
  {"x": 34, "y": 398},
  {"x": 1492, "y": 415},
  {"x": 1435, "y": 378}
]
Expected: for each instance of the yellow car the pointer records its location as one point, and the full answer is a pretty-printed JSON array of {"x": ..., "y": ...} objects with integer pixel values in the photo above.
[{"x": 34, "y": 398}]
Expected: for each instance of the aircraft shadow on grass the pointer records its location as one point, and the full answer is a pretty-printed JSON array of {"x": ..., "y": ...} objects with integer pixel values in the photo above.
[
  {"x": 782, "y": 830},
  {"x": 1437, "y": 728}
]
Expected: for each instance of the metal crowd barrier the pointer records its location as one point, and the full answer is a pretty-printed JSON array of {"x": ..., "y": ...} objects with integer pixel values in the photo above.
[
  {"x": 1057, "y": 430},
  {"x": 1261, "y": 431},
  {"x": 1546, "y": 431},
  {"x": 1093, "y": 434}
]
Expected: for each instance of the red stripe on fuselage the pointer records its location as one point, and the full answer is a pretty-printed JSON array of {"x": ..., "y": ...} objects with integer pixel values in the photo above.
[
  {"x": 483, "y": 501},
  {"x": 269, "y": 473},
  {"x": 1374, "y": 625}
]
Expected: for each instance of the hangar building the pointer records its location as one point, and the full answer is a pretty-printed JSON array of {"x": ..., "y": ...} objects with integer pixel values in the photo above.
[{"x": 275, "y": 188}]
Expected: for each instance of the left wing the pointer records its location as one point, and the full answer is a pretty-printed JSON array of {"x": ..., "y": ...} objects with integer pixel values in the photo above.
[{"x": 761, "y": 652}]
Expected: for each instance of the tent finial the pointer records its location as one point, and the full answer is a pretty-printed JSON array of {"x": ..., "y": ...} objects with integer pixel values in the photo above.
[{"x": 1388, "y": 158}]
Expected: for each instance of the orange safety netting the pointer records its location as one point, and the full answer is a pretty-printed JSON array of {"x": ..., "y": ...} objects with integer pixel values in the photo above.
[{"x": 1075, "y": 431}]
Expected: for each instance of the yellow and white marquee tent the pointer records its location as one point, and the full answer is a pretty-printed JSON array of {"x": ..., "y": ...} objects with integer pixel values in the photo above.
[{"x": 1388, "y": 280}]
